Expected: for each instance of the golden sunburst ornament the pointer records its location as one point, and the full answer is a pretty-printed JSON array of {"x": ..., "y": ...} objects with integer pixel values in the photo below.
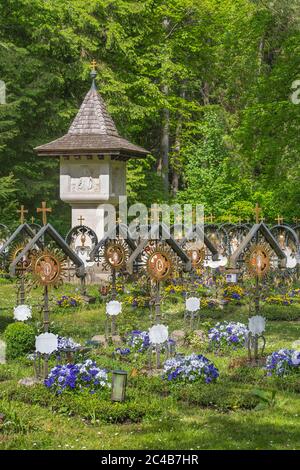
[
  {"x": 16, "y": 250},
  {"x": 258, "y": 259},
  {"x": 115, "y": 255},
  {"x": 25, "y": 263},
  {"x": 47, "y": 268},
  {"x": 197, "y": 256},
  {"x": 159, "y": 263}
]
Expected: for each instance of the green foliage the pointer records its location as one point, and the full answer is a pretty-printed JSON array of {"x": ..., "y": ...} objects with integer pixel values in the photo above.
[
  {"x": 282, "y": 313},
  {"x": 266, "y": 399},
  {"x": 213, "y": 78},
  {"x": 220, "y": 396},
  {"x": 90, "y": 407},
  {"x": 19, "y": 339},
  {"x": 13, "y": 420}
]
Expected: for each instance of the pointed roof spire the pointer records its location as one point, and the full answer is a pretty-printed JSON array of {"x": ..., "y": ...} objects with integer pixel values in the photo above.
[{"x": 93, "y": 131}]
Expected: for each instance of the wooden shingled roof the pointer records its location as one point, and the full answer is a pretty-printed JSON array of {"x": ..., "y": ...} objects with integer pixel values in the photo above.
[{"x": 93, "y": 132}]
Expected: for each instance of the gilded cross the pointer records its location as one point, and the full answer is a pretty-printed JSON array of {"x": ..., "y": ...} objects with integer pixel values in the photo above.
[
  {"x": 22, "y": 213},
  {"x": 296, "y": 220},
  {"x": 257, "y": 212},
  {"x": 279, "y": 220},
  {"x": 44, "y": 210},
  {"x": 81, "y": 220},
  {"x": 209, "y": 219},
  {"x": 93, "y": 65}
]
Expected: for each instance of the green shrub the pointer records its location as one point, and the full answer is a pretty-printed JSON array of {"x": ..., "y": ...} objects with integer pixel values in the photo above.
[
  {"x": 87, "y": 406},
  {"x": 19, "y": 339},
  {"x": 280, "y": 313},
  {"x": 220, "y": 396}
]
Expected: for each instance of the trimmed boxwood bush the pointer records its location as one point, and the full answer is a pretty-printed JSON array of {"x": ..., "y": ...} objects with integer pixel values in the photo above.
[
  {"x": 280, "y": 312},
  {"x": 90, "y": 407},
  {"x": 20, "y": 339},
  {"x": 220, "y": 396}
]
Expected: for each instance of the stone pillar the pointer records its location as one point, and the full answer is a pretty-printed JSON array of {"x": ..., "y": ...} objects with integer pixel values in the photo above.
[{"x": 88, "y": 183}]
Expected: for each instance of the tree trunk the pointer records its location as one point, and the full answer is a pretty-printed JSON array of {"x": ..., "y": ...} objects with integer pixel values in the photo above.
[
  {"x": 205, "y": 93},
  {"x": 177, "y": 148},
  {"x": 165, "y": 144}
]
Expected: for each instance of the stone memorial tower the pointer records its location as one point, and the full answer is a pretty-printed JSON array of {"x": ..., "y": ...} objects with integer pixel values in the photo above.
[{"x": 93, "y": 160}]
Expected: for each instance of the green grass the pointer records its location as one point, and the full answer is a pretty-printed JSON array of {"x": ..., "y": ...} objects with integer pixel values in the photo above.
[{"x": 155, "y": 415}]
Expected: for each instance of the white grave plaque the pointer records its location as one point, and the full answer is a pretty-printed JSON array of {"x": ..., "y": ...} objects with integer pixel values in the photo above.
[
  {"x": 158, "y": 334},
  {"x": 22, "y": 312},
  {"x": 192, "y": 304},
  {"x": 46, "y": 343},
  {"x": 113, "y": 308},
  {"x": 257, "y": 325}
]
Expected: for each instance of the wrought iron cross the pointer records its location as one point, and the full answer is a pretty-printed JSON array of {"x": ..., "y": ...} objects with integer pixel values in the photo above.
[
  {"x": 279, "y": 220},
  {"x": 209, "y": 219},
  {"x": 81, "y": 220},
  {"x": 22, "y": 213},
  {"x": 257, "y": 211},
  {"x": 93, "y": 65},
  {"x": 44, "y": 211}
]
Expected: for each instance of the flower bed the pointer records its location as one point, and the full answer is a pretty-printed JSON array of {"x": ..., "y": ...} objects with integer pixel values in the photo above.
[
  {"x": 138, "y": 341},
  {"x": 139, "y": 301},
  {"x": 279, "y": 299},
  {"x": 67, "y": 343},
  {"x": 233, "y": 293},
  {"x": 82, "y": 376},
  {"x": 190, "y": 369},
  {"x": 283, "y": 362},
  {"x": 209, "y": 303},
  {"x": 67, "y": 301},
  {"x": 228, "y": 335}
]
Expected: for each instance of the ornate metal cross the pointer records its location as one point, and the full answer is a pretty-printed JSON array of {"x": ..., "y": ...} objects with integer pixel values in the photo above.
[
  {"x": 44, "y": 211},
  {"x": 209, "y": 219},
  {"x": 81, "y": 220},
  {"x": 93, "y": 65},
  {"x": 279, "y": 220},
  {"x": 257, "y": 212},
  {"x": 22, "y": 213}
]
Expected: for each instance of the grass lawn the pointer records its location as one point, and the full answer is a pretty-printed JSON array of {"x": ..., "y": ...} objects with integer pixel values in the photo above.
[{"x": 156, "y": 415}]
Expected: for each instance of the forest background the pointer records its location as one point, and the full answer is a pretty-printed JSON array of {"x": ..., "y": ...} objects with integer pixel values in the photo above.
[{"x": 209, "y": 87}]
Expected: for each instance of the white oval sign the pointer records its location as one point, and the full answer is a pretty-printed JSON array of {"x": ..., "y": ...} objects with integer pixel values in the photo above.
[
  {"x": 192, "y": 304},
  {"x": 22, "y": 312},
  {"x": 257, "y": 325},
  {"x": 158, "y": 334},
  {"x": 113, "y": 308},
  {"x": 46, "y": 343}
]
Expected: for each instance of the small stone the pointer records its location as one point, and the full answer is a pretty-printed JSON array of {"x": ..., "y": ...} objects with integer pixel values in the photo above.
[
  {"x": 88, "y": 299},
  {"x": 200, "y": 334},
  {"x": 100, "y": 339},
  {"x": 178, "y": 336},
  {"x": 117, "y": 340},
  {"x": 30, "y": 381}
]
